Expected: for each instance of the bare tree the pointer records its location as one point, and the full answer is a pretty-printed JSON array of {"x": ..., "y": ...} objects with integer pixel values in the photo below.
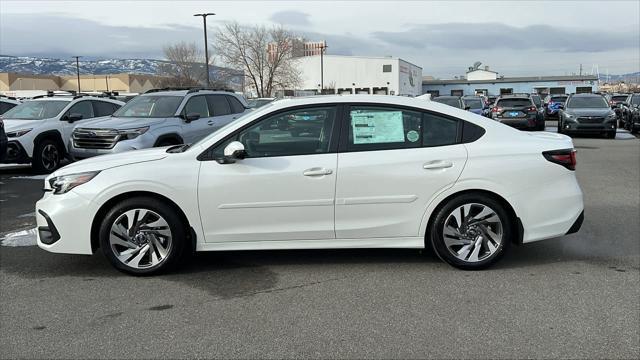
[
  {"x": 182, "y": 68},
  {"x": 265, "y": 55}
]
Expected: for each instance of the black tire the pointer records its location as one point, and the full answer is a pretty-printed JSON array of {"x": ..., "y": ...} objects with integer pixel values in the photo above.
[
  {"x": 179, "y": 247},
  {"x": 559, "y": 127},
  {"x": 611, "y": 135},
  {"x": 47, "y": 155},
  {"x": 437, "y": 241}
]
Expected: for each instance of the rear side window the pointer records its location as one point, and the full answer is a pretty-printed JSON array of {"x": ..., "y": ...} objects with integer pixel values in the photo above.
[
  {"x": 509, "y": 103},
  {"x": 380, "y": 128},
  {"x": 236, "y": 106},
  {"x": 218, "y": 105},
  {"x": 103, "y": 108},
  {"x": 439, "y": 130}
]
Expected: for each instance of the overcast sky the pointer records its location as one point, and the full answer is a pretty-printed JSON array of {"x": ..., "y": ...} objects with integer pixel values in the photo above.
[{"x": 444, "y": 38}]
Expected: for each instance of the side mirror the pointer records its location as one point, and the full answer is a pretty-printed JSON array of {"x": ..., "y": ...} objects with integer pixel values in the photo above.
[
  {"x": 467, "y": 107},
  {"x": 232, "y": 152},
  {"x": 72, "y": 117},
  {"x": 191, "y": 117}
]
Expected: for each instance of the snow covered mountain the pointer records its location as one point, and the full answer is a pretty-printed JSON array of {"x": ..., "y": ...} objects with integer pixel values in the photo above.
[{"x": 38, "y": 65}]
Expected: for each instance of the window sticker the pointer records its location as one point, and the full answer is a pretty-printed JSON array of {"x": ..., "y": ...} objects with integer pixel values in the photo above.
[
  {"x": 413, "y": 136},
  {"x": 374, "y": 127}
]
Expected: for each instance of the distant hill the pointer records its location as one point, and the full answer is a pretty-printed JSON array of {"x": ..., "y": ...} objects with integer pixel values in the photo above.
[
  {"x": 38, "y": 65},
  {"x": 627, "y": 78}
]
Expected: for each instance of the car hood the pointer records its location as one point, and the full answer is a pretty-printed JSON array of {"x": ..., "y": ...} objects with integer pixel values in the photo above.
[
  {"x": 120, "y": 123},
  {"x": 104, "y": 162},
  {"x": 588, "y": 112},
  {"x": 13, "y": 125}
]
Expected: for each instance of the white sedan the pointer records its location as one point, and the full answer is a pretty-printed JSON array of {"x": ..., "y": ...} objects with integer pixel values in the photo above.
[{"x": 316, "y": 173}]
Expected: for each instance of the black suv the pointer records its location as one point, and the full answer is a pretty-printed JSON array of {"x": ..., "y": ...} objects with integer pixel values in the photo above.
[
  {"x": 633, "y": 122},
  {"x": 587, "y": 113},
  {"x": 517, "y": 111}
]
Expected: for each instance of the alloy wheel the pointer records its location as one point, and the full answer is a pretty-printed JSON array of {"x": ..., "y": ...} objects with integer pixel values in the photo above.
[
  {"x": 50, "y": 157},
  {"x": 140, "y": 238},
  {"x": 472, "y": 232}
]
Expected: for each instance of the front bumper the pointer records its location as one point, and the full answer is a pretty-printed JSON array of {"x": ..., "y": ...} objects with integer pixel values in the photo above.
[
  {"x": 64, "y": 223},
  {"x": 15, "y": 154},
  {"x": 122, "y": 146},
  {"x": 576, "y": 127}
]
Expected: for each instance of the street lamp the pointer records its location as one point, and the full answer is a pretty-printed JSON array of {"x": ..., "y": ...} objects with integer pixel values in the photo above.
[
  {"x": 206, "y": 46},
  {"x": 322, "y": 48},
  {"x": 78, "y": 70}
]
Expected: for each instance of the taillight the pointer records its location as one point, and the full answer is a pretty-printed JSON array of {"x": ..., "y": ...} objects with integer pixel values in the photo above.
[
  {"x": 496, "y": 109},
  {"x": 564, "y": 157},
  {"x": 532, "y": 109}
]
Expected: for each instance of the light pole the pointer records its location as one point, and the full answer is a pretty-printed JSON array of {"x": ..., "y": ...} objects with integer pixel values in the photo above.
[
  {"x": 78, "y": 70},
  {"x": 206, "y": 45},
  {"x": 322, "y": 48}
]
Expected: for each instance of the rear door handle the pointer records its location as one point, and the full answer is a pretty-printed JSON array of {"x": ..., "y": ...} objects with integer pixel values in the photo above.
[
  {"x": 437, "y": 164},
  {"x": 317, "y": 172}
]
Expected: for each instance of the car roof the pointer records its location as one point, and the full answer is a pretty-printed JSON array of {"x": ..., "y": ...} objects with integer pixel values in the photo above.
[
  {"x": 447, "y": 97},
  {"x": 586, "y": 95},
  {"x": 53, "y": 98},
  {"x": 515, "y": 96}
]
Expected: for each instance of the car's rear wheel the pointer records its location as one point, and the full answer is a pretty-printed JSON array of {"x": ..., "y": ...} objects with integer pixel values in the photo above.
[
  {"x": 471, "y": 232},
  {"x": 143, "y": 236},
  {"x": 47, "y": 156}
]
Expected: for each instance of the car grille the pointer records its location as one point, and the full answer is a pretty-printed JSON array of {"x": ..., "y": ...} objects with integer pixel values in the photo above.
[
  {"x": 95, "y": 138},
  {"x": 591, "y": 119}
]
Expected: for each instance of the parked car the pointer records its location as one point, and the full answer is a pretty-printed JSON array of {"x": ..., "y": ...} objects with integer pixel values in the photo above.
[
  {"x": 587, "y": 113},
  {"x": 384, "y": 172},
  {"x": 633, "y": 125},
  {"x": 38, "y": 130},
  {"x": 475, "y": 104},
  {"x": 491, "y": 99},
  {"x": 455, "y": 101},
  {"x": 537, "y": 101},
  {"x": 7, "y": 103},
  {"x": 3, "y": 141},
  {"x": 156, "y": 119},
  {"x": 258, "y": 102},
  {"x": 619, "y": 104},
  {"x": 517, "y": 111},
  {"x": 553, "y": 103}
]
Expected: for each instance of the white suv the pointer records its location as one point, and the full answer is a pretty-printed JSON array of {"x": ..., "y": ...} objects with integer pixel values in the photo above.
[
  {"x": 38, "y": 130},
  {"x": 321, "y": 172}
]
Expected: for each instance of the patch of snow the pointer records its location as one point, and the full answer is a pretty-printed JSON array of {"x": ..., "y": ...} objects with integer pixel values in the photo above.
[
  {"x": 34, "y": 177},
  {"x": 20, "y": 238}
]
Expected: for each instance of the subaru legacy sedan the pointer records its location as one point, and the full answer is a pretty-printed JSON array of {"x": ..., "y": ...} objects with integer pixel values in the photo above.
[{"x": 367, "y": 172}]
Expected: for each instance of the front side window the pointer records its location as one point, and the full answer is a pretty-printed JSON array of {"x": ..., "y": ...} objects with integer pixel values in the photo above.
[
  {"x": 83, "y": 108},
  {"x": 197, "y": 105},
  {"x": 36, "y": 110},
  {"x": 297, "y": 132},
  {"x": 150, "y": 106},
  {"x": 379, "y": 128},
  {"x": 103, "y": 108},
  {"x": 219, "y": 105}
]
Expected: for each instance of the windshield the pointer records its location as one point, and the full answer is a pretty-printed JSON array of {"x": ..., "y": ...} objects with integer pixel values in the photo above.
[
  {"x": 591, "y": 102},
  {"x": 35, "y": 110},
  {"x": 512, "y": 103},
  {"x": 473, "y": 103},
  {"x": 619, "y": 98},
  {"x": 150, "y": 107},
  {"x": 635, "y": 100},
  {"x": 455, "y": 102},
  {"x": 559, "y": 99}
]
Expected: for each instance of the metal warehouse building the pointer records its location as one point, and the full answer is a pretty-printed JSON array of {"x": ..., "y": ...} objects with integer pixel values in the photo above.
[{"x": 487, "y": 82}]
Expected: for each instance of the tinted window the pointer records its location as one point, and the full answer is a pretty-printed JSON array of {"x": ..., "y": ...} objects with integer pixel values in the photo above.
[
  {"x": 619, "y": 98},
  {"x": 5, "y": 106},
  {"x": 560, "y": 99},
  {"x": 587, "y": 102},
  {"x": 197, "y": 105},
  {"x": 154, "y": 106},
  {"x": 36, "y": 110},
  {"x": 635, "y": 99},
  {"x": 473, "y": 103},
  {"x": 378, "y": 128},
  {"x": 236, "y": 106},
  {"x": 296, "y": 132},
  {"x": 536, "y": 100},
  {"x": 439, "y": 130},
  {"x": 513, "y": 103},
  {"x": 103, "y": 108},
  {"x": 83, "y": 108},
  {"x": 219, "y": 105},
  {"x": 448, "y": 101}
]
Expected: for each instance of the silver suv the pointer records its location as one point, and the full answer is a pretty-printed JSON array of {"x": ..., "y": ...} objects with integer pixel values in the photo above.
[{"x": 158, "y": 118}]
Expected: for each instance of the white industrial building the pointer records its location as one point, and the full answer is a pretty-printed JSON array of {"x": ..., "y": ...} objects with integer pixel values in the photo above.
[{"x": 357, "y": 75}]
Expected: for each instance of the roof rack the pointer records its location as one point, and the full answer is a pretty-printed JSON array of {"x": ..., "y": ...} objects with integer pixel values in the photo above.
[
  {"x": 7, "y": 97},
  {"x": 190, "y": 89}
]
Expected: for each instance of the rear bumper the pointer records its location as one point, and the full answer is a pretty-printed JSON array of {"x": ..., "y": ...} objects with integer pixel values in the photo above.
[{"x": 524, "y": 123}]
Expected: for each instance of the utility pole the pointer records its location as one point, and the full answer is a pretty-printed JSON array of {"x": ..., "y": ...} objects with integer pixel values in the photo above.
[
  {"x": 78, "y": 70},
  {"x": 322, "y": 49},
  {"x": 580, "y": 69},
  {"x": 206, "y": 45}
]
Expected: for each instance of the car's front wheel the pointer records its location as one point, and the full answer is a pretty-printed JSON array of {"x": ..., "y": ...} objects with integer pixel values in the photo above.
[
  {"x": 143, "y": 236},
  {"x": 47, "y": 155},
  {"x": 471, "y": 232}
]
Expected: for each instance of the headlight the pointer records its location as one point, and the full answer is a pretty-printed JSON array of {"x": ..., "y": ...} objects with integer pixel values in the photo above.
[
  {"x": 568, "y": 116},
  {"x": 129, "y": 134},
  {"x": 18, "y": 133},
  {"x": 64, "y": 183}
]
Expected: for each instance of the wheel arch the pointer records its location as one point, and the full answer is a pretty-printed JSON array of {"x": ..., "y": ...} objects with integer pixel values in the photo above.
[
  {"x": 106, "y": 206},
  {"x": 50, "y": 134},
  {"x": 170, "y": 136},
  {"x": 517, "y": 223}
]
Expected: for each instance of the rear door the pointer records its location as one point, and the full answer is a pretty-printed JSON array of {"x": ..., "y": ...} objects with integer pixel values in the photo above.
[
  {"x": 222, "y": 113},
  {"x": 392, "y": 163}
]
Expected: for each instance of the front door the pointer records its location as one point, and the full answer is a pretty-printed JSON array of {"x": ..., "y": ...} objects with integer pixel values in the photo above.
[
  {"x": 83, "y": 108},
  {"x": 283, "y": 190},
  {"x": 196, "y": 129},
  {"x": 393, "y": 163}
]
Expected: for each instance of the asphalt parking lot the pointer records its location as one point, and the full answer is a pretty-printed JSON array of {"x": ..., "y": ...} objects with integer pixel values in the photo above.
[{"x": 571, "y": 297}]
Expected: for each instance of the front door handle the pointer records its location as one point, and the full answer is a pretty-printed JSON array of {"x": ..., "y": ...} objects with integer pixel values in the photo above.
[
  {"x": 317, "y": 172},
  {"x": 211, "y": 122},
  {"x": 438, "y": 164}
]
